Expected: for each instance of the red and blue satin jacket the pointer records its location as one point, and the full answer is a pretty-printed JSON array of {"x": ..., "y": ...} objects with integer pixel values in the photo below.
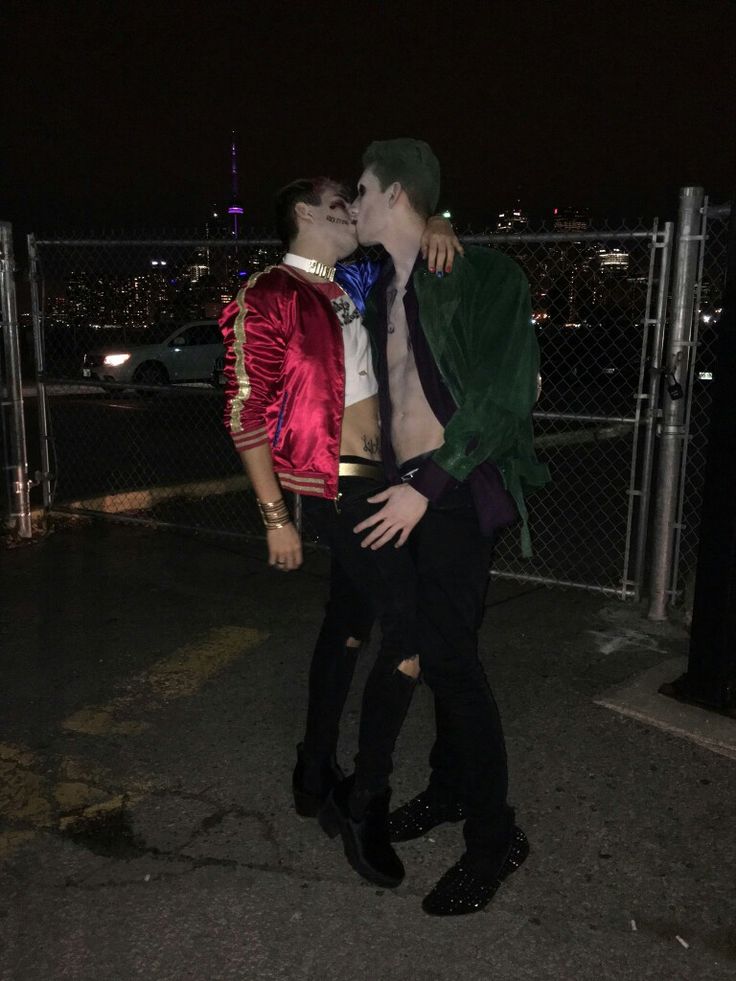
[{"x": 285, "y": 373}]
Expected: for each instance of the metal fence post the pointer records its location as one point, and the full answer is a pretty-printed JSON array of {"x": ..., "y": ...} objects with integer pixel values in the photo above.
[
  {"x": 652, "y": 403},
  {"x": 38, "y": 348},
  {"x": 17, "y": 456},
  {"x": 673, "y": 410}
]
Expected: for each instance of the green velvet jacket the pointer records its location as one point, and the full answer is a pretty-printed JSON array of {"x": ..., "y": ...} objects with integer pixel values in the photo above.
[{"x": 478, "y": 324}]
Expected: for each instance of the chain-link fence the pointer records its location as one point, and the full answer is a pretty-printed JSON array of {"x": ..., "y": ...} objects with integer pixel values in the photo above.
[
  {"x": 132, "y": 359},
  {"x": 594, "y": 297},
  {"x": 132, "y": 364}
]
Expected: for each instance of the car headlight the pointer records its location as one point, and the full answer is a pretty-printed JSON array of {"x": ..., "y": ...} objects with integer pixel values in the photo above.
[{"x": 113, "y": 360}]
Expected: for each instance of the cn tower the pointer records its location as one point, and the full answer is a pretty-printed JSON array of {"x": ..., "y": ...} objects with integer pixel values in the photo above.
[{"x": 236, "y": 208}]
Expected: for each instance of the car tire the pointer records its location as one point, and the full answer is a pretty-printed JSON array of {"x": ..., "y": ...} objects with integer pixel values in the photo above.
[{"x": 150, "y": 373}]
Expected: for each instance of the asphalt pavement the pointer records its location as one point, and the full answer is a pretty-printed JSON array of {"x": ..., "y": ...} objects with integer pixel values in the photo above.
[{"x": 153, "y": 692}]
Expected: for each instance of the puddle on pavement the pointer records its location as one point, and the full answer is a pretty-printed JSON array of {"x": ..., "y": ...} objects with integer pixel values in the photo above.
[{"x": 108, "y": 833}]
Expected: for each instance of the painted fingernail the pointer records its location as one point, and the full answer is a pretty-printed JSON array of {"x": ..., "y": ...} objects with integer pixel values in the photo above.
[
  {"x": 431, "y": 268},
  {"x": 440, "y": 274}
]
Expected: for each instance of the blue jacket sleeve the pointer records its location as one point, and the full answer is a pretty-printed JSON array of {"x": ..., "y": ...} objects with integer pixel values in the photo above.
[{"x": 357, "y": 278}]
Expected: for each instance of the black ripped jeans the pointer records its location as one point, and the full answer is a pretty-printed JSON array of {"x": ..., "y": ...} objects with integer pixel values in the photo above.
[
  {"x": 430, "y": 599},
  {"x": 364, "y": 585},
  {"x": 468, "y": 760}
]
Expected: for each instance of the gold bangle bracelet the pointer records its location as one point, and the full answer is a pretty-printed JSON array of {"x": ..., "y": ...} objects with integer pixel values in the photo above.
[{"x": 274, "y": 514}]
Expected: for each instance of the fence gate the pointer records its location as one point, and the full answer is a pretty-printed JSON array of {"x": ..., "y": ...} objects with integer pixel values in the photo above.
[
  {"x": 600, "y": 300},
  {"x": 127, "y": 429}
]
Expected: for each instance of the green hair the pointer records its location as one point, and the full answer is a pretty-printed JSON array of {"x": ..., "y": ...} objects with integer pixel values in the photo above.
[{"x": 413, "y": 164}]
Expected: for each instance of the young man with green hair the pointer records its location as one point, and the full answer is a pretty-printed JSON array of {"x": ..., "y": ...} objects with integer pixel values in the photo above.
[{"x": 457, "y": 364}]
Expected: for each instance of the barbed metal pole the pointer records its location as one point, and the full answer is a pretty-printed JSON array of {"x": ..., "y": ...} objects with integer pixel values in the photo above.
[
  {"x": 673, "y": 410},
  {"x": 38, "y": 348},
  {"x": 20, "y": 501}
]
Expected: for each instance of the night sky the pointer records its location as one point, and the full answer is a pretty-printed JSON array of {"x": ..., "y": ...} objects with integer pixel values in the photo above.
[{"x": 118, "y": 115}]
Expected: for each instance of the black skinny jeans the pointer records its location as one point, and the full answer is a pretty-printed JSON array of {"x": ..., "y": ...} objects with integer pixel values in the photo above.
[
  {"x": 452, "y": 564},
  {"x": 363, "y": 584},
  {"x": 429, "y": 597}
]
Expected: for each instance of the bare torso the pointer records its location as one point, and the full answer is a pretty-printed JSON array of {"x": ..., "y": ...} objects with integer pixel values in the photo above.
[
  {"x": 360, "y": 435},
  {"x": 414, "y": 427},
  {"x": 360, "y": 432}
]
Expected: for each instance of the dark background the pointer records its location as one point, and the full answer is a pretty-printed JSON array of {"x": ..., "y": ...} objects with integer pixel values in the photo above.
[{"x": 118, "y": 115}]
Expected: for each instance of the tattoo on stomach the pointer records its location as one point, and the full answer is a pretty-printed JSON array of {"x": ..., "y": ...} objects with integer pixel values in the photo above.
[{"x": 371, "y": 445}]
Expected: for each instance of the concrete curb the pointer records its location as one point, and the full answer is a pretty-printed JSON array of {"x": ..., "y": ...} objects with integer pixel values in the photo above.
[
  {"x": 640, "y": 699},
  {"x": 141, "y": 500}
]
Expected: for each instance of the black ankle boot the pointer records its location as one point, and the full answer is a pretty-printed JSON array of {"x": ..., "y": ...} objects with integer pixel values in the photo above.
[
  {"x": 364, "y": 834},
  {"x": 312, "y": 784}
]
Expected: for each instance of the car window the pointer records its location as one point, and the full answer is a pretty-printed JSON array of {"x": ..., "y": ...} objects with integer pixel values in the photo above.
[
  {"x": 203, "y": 334},
  {"x": 214, "y": 334},
  {"x": 208, "y": 334}
]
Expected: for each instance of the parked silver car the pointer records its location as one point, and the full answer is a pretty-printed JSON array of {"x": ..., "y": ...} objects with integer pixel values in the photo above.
[{"x": 192, "y": 352}]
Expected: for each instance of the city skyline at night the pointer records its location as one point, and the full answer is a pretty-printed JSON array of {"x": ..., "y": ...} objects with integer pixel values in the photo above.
[{"x": 123, "y": 119}]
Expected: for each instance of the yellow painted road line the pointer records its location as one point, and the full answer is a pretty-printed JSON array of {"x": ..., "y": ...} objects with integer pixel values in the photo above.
[
  {"x": 179, "y": 675},
  {"x": 24, "y": 791},
  {"x": 34, "y": 800},
  {"x": 139, "y": 500},
  {"x": 190, "y": 667}
]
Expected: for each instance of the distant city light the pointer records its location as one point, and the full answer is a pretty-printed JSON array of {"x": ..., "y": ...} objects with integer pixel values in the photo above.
[
  {"x": 215, "y": 214},
  {"x": 512, "y": 220},
  {"x": 235, "y": 209},
  {"x": 612, "y": 259},
  {"x": 706, "y": 318},
  {"x": 446, "y": 214}
]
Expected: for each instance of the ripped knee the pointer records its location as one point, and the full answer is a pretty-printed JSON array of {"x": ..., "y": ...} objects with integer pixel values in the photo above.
[{"x": 410, "y": 666}]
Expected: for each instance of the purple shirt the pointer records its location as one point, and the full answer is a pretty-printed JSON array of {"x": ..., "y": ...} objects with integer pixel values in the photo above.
[{"x": 493, "y": 503}]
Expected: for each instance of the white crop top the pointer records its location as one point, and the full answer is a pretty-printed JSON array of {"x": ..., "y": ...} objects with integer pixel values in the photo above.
[{"x": 360, "y": 379}]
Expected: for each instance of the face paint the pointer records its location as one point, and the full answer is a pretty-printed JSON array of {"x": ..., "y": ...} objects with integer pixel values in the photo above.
[{"x": 370, "y": 209}]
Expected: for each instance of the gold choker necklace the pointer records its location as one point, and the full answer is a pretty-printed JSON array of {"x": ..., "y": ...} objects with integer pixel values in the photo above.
[{"x": 313, "y": 266}]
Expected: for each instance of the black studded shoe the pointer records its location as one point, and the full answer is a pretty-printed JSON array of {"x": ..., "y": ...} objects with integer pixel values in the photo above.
[
  {"x": 462, "y": 890},
  {"x": 419, "y": 815},
  {"x": 365, "y": 841},
  {"x": 309, "y": 796}
]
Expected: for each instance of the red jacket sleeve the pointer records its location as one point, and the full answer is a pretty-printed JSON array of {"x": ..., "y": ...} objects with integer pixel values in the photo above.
[{"x": 254, "y": 329}]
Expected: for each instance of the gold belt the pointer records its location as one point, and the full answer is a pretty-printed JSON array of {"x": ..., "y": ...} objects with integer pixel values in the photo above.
[{"x": 370, "y": 470}]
